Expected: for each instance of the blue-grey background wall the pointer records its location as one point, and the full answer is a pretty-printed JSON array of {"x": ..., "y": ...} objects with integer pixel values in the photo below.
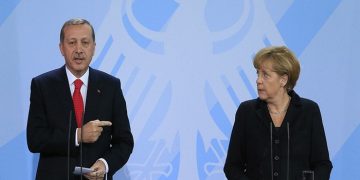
[{"x": 185, "y": 66}]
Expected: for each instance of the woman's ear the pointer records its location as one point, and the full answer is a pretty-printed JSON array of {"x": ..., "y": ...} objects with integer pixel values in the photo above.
[{"x": 284, "y": 79}]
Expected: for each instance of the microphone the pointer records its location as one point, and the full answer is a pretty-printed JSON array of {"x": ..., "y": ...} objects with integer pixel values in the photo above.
[
  {"x": 288, "y": 150},
  {"x": 68, "y": 150},
  {"x": 271, "y": 152},
  {"x": 81, "y": 146}
]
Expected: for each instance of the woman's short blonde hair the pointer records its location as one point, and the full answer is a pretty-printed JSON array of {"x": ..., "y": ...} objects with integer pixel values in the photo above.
[{"x": 283, "y": 60}]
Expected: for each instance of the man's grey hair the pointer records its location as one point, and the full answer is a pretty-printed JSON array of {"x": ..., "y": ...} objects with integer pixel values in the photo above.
[{"x": 76, "y": 21}]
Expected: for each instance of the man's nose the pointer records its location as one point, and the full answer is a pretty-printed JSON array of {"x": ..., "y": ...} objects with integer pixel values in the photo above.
[{"x": 78, "y": 48}]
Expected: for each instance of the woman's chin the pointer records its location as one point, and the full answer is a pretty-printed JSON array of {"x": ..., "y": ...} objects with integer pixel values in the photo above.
[{"x": 262, "y": 97}]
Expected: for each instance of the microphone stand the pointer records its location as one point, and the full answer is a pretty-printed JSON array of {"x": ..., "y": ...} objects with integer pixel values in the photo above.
[
  {"x": 288, "y": 150},
  {"x": 271, "y": 152},
  {"x": 81, "y": 146},
  {"x": 68, "y": 148}
]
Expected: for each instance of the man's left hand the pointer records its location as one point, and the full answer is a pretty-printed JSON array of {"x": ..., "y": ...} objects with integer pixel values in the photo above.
[{"x": 98, "y": 171}]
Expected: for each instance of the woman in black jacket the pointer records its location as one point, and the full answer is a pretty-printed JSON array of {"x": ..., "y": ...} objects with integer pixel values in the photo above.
[{"x": 279, "y": 135}]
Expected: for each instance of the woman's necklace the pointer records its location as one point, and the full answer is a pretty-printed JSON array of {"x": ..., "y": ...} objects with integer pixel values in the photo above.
[{"x": 278, "y": 113}]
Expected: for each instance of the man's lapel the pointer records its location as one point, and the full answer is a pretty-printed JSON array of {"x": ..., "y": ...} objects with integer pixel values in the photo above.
[
  {"x": 93, "y": 97},
  {"x": 63, "y": 90}
]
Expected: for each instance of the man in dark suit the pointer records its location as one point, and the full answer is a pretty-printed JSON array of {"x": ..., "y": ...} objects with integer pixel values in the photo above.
[{"x": 78, "y": 110}]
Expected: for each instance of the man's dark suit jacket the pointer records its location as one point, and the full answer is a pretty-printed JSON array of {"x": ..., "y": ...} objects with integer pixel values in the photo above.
[
  {"x": 48, "y": 124},
  {"x": 249, "y": 148}
]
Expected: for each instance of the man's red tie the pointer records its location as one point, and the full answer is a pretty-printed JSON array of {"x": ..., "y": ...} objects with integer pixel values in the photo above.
[{"x": 78, "y": 102}]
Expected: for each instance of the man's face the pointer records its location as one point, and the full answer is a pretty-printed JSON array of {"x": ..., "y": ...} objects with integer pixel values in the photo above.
[{"x": 77, "y": 48}]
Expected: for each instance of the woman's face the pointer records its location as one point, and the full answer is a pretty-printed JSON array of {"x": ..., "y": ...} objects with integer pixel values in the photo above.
[{"x": 269, "y": 84}]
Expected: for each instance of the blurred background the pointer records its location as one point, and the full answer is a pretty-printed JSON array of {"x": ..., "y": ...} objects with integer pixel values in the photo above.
[{"x": 185, "y": 66}]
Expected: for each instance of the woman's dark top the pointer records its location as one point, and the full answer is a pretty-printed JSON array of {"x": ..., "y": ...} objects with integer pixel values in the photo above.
[{"x": 259, "y": 151}]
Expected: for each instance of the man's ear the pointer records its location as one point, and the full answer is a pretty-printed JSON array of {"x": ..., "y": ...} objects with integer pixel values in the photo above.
[{"x": 61, "y": 48}]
